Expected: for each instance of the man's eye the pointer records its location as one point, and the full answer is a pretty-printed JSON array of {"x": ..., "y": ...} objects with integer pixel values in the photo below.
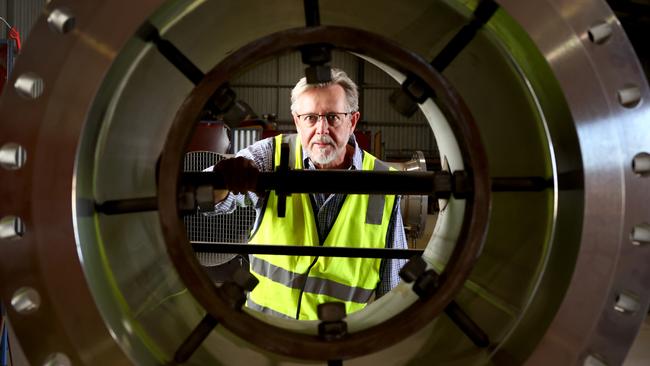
[
  {"x": 312, "y": 118},
  {"x": 332, "y": 118}
]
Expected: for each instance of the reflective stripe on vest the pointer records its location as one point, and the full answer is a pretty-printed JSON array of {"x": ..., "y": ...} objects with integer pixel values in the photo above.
[{"x": 348, "y": 280}]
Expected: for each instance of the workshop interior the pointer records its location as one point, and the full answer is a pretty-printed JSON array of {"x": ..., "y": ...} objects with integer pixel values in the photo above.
[{"x": 517, "y": 132}]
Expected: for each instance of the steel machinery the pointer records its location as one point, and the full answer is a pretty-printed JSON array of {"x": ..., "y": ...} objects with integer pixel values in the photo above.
[{"x": 539, "y": 112}]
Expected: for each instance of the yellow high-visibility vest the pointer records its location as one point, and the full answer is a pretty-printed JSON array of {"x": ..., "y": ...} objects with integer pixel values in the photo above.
[{"x": 293, "y": 286}]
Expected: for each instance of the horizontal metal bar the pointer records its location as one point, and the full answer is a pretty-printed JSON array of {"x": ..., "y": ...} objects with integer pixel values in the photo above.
[
  {"x": 521, "y": 184},
  {"x": 116, "y": 207},
  {"x": 338, "y": 181},
  {"x": 311, "y": 251}
]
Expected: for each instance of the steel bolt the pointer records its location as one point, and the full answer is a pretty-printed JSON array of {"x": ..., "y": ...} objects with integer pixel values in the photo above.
[
  {"x": 57, "y": 359},
  {"x": 630, "y": 96},
  {"x": 593, "y": 360},
  {"x": 61, "y": 20},
  {"x": 627, "y": 303},
  {"x": 600, "y": 33},
  {"x": 26, "y": 300},
  {"x": 640, "y": 234},
  {"x": 12, "y": 156},
  {"x": 641, "y": 163},
  {"x": 29, "y": 86},
  {"x": 11, "y": 227}
]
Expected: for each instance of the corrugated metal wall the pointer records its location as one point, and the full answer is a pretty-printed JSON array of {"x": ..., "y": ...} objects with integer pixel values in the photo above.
[
  {"x": 22, "y": 14},
  {"x": 267, "y": 89},
  {"x": 3, "y": 13}
]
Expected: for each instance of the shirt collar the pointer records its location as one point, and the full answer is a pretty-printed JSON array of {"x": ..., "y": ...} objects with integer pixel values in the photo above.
[{"x": 357, "y": 156}]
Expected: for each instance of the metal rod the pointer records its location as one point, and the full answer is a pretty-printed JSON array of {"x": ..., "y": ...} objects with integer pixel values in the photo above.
[
  {"x": 467, "y": 325},
  {"x": 312, "y": 13},
  {"x": 311, "y": 251},
  {"x": 194, "y": 340},
  {"x": 116, "y": 207},
  {"x": 521, "y": 184},
  {"x": 338, "y": 181},
  {"x": 149, "y": 33},
  {"x": 483, "y": 12}
]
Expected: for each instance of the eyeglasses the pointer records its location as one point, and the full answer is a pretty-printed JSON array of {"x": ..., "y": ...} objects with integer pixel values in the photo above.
[{"x": 333, "y": 119}]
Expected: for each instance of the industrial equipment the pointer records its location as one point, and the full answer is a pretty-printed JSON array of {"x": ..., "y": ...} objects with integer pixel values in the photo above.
[{"x": 539, "y": 110}]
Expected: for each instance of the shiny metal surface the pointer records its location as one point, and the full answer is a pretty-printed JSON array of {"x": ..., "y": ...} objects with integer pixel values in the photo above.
[{"x": 553, "y": 85}]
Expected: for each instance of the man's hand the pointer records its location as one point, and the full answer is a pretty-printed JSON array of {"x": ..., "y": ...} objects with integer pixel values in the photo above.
[{"x": 239, "y": 174}]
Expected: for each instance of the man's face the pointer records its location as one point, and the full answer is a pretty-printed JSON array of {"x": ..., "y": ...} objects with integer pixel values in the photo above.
[{"x": 325, "y": 141}]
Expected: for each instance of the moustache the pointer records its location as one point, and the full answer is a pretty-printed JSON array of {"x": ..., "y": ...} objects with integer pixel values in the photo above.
[{"x": 324, "y": 139}]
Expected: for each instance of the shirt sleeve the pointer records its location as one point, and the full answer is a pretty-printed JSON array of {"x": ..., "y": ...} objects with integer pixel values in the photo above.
[{"x": 396, "y": 239}]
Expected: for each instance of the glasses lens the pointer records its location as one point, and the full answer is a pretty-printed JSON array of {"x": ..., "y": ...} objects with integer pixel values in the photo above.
[{"x": 333, "y": 119}]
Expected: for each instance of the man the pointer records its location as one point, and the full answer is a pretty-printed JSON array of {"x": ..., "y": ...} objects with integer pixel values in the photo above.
[{"x": 325, "y": 116}]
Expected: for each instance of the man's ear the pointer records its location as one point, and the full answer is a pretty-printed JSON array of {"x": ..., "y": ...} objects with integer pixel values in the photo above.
[{"x": 354, "y": 118}]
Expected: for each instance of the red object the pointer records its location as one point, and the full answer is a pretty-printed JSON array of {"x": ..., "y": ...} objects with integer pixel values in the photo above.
[
  {"x": 363, "y": 139},
  {"x": 209, "y": 137},
  {"x": 13, "y": 34}
]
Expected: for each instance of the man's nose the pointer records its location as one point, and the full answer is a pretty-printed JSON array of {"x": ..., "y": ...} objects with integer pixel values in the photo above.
[{"x": 321, "y": 125}]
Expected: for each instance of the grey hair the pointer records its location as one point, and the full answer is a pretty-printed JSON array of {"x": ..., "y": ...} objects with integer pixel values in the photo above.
[{"x": 338, "y": 77}]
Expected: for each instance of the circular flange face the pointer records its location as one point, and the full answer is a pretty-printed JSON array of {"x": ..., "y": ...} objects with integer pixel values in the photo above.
[
  {"x": 43, "y": 110},
  {"x": 392, "y": 330},
  {"x": 599, "y": 244},
  {"x": 607, "y": 94}
]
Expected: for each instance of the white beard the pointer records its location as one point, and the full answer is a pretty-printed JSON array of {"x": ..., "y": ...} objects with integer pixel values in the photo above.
[{"x": 325, "y": 155}]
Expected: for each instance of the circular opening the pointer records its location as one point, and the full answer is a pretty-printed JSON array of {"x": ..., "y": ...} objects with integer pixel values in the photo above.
[
  {"x": 208, "y": 232},
  {"x": 218, "y": 302},
  {"x": 130, "y": 246}
]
